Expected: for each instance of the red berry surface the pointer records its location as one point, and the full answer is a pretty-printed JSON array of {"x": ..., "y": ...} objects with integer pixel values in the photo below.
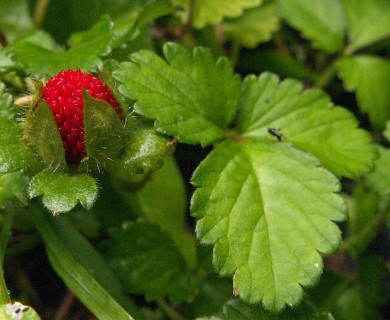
[{"x": 64, "y": 96}]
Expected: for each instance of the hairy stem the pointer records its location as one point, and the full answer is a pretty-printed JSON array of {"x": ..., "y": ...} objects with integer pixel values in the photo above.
[
  {"x": 326, "y": 76},
  {"x": 169, "y": 311},
  {"x": 39, "y": 12}
]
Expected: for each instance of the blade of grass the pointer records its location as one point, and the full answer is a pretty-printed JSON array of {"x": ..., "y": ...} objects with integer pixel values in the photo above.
[{"x": 81, "y": 267}]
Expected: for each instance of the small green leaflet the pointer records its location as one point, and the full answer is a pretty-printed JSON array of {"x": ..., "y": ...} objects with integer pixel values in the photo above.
[
  {"x": 212, "y": 12},
  {"x": 17, "y": 311},
  {"x": 368, "y": 22},
  {"x": 238, "y": 310},
  {"x": 379, "y": 179},
  {"x": 369, "y": 76},
  {"x": 13, "y": 189},
  {"x": 61, "y": 192},
  {"x": 191, "y": 97},
  {"x": 14, "y": 152},
  {"x": 46, "y": 59},
  {"x": 312, "y": 19},
  {"x": 133, "y": 251},
  {"x": 268, "y": 208},
  {"x": 254, "y": 27},
  {"x": 308, "y": 120}
]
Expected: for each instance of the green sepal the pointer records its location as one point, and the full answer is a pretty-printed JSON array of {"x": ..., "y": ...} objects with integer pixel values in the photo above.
[
  {"x": 145, "y": 149},
  {"x": 61, "y": 192},
  {"x": 104, "y": 133},
  {"x": 44, "y": 136},
  {"x": 35, "y": 87}
]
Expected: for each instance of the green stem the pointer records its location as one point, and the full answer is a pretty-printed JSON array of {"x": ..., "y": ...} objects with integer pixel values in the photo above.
[
  {"x": 326, "y": 76},
  {"x": 4, "y": 236},
  {"x": 39, "y": 12},
  {"x": 235, "y": 52},
  {"x": 370, "y": 228},
  {"x": 328, "y": 304},
  {"x": 169, "y": 311}
]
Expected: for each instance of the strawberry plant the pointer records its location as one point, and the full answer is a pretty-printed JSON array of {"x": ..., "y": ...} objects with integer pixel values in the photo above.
[{"x": 192, "y": 159}]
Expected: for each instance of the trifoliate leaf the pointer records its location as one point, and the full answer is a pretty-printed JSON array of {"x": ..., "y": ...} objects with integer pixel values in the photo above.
[
  {"x": 254, "y": 27},
  {"x": 6, "y": 103},
  {"x": 306, "y": 119},
  {"x": 312, "y": 19},
  {"x": 13, "y": 189},
  {"x": 238, "y": 310},
  {"x": 362, "y": 208},
  {"x": 104, "y": 133},
  {"x": 212, "y": 12},
  {"x": 379, "y": 179},
  {"x": 162, "y": 200},
  {"x": 369, "y": 76},
  {"x": 133, "y": 251},
  {"x": 14, "y": 152},
  {"x": 191, "y": 97},
  {"x": 86, "y": 49},
  {"x": 361, "y": 300},
  {"x": 268, "y": 208},
  {"x": 15, "y": 19},
  {"x": 17, "y": 311},
  {"x": 44, "y": 136},
  {"x": 62, "y": 192},
  {"x": 368, "y": 22},
  {"x": 145, "y": 149}
]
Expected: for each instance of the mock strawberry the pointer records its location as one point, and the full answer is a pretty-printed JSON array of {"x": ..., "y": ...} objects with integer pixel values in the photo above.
[{"x": 63, "y": 94}]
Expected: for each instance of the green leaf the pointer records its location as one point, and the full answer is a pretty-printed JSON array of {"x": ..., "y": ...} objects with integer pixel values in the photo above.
[
  {"x": 254, "y": 27},
  {"x": 191, "y": 97},
  {"x": 104, "y": 132},
  {"x": 12, "y": 311},
  {"x": 312, "y": 19},
  {"x": 133, "y": 252},
  {"x": 379, "y": 179},
  {"x": 14, "y": 153},
  {"x": 368, "y": 22},
  {"x": 86, "y": 49},
  {"x": 362, "y": 208},
  {"x": 45, "y": 137},
  {"x": 162, "y": 200},
  {"x": 238, "y": 310},
  {"x": 360, "y": 301},
  {"x": 268, "y": 208},
  {"x": 6, "y": 103},
  {"x": 15, "y": 19},
  {"x": 369, "y": 77},
  {"x": 145, "y": 149},
  {"x": 308, "y": 120},
  {"x": 61, "y": 192},
  {"x": 13, "y": 189},
  {"x": 212, "y": 12},
  {"x": 82, "y": 268}
]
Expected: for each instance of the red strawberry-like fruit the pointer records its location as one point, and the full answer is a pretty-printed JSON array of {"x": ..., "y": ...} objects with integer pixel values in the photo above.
[{"x": 63, "y": 94}]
